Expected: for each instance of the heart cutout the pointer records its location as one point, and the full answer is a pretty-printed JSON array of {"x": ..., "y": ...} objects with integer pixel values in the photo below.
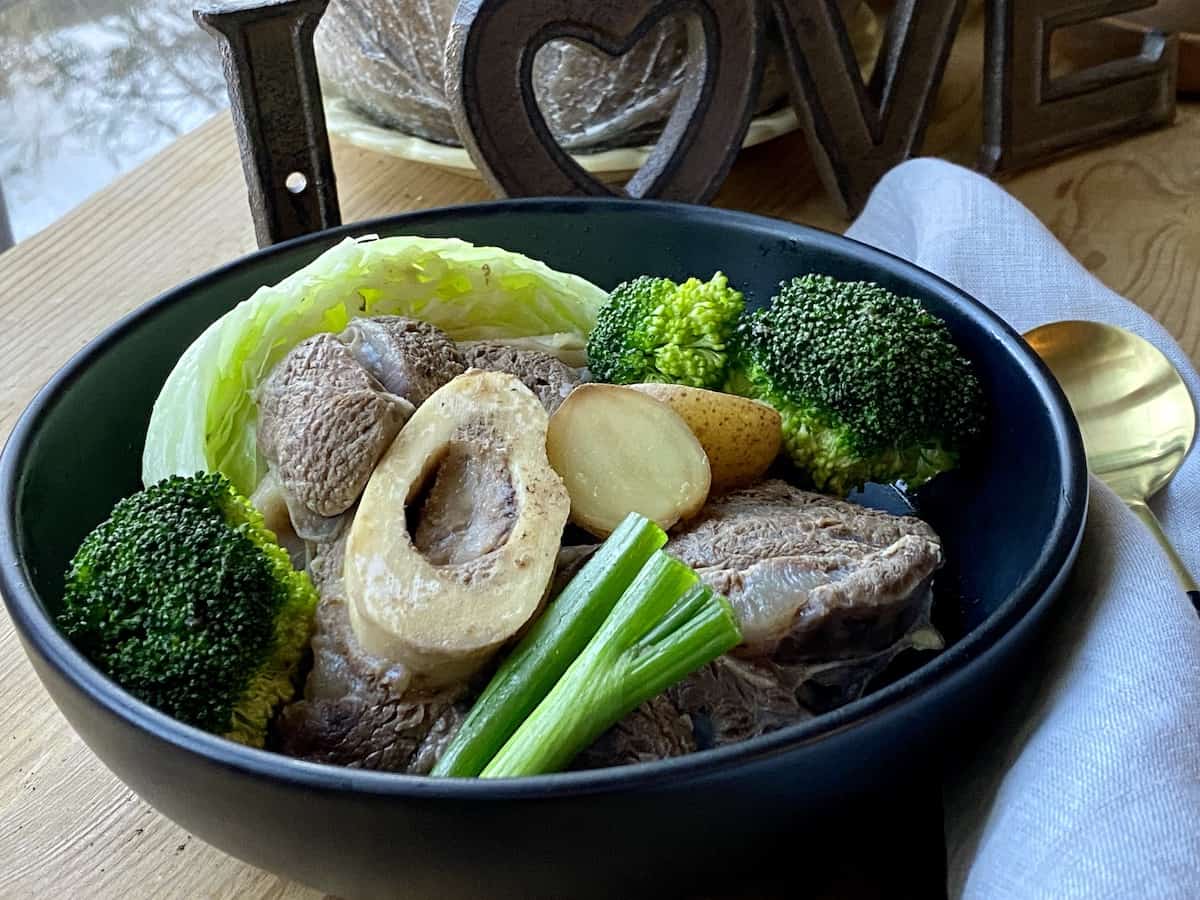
[
  {"x": 612, "y": 109},
  {"x": 489, "y": 81}
]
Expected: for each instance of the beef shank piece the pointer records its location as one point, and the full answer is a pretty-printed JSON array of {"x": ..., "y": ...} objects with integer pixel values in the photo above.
[
  {"x": 333, "y": 405},
  {"x": 269, "y": 499},
  {"x": 359, "y": 710},
  {"x": 810, "y": 577},
  {"x": 470, "y": 479},
  {"x": 449, "y": 555},
  {"x": 323, "y": 423},
  {"x": 655, "y": 730},
  {"x": 409, "y": 357},
  {"x": 547, "y": 376},
  {"x": 731, "y": 699},
  {"x": 827, "y": 593},
  {"x": 726, "y": 701}
]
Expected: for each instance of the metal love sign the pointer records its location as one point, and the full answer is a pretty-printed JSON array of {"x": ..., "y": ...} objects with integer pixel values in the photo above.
[
  {"x": 856, "y": 129},
  {"x": 489, "y": 64}
]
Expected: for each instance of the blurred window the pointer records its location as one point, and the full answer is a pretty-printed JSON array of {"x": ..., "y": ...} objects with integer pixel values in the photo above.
[{"x": 91, "y": 88}]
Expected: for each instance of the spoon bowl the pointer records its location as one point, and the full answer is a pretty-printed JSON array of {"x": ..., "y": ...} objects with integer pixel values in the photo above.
[{"x": 1134, "y": 411}]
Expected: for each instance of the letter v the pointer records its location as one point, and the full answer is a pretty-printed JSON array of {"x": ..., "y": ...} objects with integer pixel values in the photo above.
[{"x": 857, "y": 132}]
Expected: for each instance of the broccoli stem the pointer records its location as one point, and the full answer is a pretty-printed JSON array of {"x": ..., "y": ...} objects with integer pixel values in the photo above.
[
  {"x": 550, "y": 646},
  {"x": 665, "y": 626}
]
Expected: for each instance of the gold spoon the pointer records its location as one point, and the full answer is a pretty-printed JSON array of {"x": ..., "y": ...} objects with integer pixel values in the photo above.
[{"x": 1134, "y": 411}]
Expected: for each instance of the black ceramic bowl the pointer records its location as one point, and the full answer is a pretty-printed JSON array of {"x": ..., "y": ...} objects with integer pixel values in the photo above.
[{"x": 1011, "y": 519}]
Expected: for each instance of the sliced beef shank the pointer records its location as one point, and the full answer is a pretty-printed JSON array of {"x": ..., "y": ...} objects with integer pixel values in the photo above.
[
  {"x": 332, "y": 406},
  {"x": 323, "y": 423},
  {"x": 359, "y": 710},
  {"x": 727, "y": 701},
  {"x": 655, "y": 730},
  {"x": 810, "y": 577},
  {"x": 409, "y": 357},
  {"x": 827, "y": 594},
  {"x": 547, "y": 376}
]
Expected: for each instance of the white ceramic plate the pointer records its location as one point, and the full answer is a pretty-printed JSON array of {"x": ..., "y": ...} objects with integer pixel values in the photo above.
[
  {"x": 347, "y": 123},
  {"x": 350, "y": 125}
]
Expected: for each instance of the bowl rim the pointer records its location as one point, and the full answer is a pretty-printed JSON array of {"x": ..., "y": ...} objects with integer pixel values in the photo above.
[{"x": 1027, "y": 601}]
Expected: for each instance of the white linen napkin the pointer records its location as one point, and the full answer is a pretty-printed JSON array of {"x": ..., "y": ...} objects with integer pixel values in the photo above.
[{"x": 1091, "y": 787}]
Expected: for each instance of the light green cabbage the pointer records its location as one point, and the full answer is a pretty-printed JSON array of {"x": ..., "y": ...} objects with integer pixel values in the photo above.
[{"x": 204, "y": 418}]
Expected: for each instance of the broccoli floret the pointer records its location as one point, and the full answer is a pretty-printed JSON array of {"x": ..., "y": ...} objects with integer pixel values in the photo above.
[
  {"x": 184, "y": 598},
  {"x": 653, "y": 329},
  {"x": 870, "y": 386}
]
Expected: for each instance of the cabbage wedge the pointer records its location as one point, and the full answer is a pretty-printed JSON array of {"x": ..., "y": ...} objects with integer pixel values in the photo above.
[{"x": 204, "y": 418}]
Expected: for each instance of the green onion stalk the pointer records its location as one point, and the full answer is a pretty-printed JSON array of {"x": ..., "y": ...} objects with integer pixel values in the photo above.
[
  {"x": 665, "y": 626},
  {"x": 550, "y": 646}
]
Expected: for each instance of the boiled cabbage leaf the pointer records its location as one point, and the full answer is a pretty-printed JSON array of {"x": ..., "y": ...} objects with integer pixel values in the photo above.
[{"x": 204, "y": 418}]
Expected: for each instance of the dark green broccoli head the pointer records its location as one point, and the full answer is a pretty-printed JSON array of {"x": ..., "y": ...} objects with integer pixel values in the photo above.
[
  {"x": 653, "y": 329},
  {"x": 871, "y": 386},
  {"x": 184, "y": 598}
]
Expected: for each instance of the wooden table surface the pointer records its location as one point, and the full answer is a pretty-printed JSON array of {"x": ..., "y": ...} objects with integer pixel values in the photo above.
[{"x": 1130, "y": 212}]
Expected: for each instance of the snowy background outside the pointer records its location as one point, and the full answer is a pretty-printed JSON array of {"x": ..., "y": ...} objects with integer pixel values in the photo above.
[{"x": 91, "y": 88}]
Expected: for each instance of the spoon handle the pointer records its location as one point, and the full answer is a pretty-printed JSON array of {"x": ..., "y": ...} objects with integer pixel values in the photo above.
[{"x": 1143, "y": 512}]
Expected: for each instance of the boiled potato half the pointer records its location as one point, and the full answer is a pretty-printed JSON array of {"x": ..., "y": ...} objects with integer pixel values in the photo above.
[
  {"x": 741, "y": 437},
  {"x": 620, "y": 451}
]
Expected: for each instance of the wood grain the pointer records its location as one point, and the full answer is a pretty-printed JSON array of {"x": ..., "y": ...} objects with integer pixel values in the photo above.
[{"x": 68, "y": 828}]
